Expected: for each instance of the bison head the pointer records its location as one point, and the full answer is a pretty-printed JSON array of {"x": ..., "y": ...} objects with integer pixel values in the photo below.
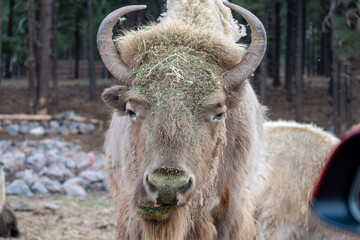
[{"x": 175, "y": 110}]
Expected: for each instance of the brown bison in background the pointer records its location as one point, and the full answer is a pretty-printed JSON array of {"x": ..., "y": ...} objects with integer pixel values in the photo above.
[
  {"x": 188, "y": 154},
  {"x": 8, "y": 223}
]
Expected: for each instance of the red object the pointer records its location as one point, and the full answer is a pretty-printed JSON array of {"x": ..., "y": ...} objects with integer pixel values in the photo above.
[{"x": 355, "y": 131}]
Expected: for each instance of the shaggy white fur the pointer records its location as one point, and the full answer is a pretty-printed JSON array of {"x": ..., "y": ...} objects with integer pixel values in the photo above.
[
  {"x": 297, "y": 155},
  {"x": 204, "y": 14}
]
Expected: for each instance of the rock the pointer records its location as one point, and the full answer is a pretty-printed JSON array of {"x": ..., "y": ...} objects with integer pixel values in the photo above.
[
  {"x": 55, "y": 143},
  {"x": 52, "y": 185},
  {"x": 52, "y": 131},
  {"x": 77, "y": 181},
  {"x": 13, "y": 130},
  {"x": 43, "y": 171},
  {"x": 52, "y": 156},
  {"x": 64, "y": 115},
  {"x": 99, "y": 164},
  {"x": 86, "y": 161},
  {"x": 41, "y": 167},
  {"x": 13, "y": 160},
  {"x": 50, "y": 206},
  {"x": 54, "y": 124},
  {"x": 7, "y": 122},
  {"x": 38, "y": 131},
  {"x": 59, "y": 172},
  {"x": 86, "y": 128},
  {"x": 33, "y": 124},
  {"x": 18, "y": 187},
  {"x": 76, "y": 191},
  {"x": 4, "y": 145},
  {"x": 92, "y": 176},
  {"x": 39, "y": 187},
  {"x": 37, "y": 161},
  {"x": 64, "y": 131},
  {"x": 45, "y": 124},
  {"x": 105, "y": 184},
  {"x": 69, "y": 163},
  {"x": 20, "y": 206},
  {"x": 106, "y": 211},
  {"x": 73, "y": 129},
  {"x": 98, "y": 186},
  {"x": 24, "y": 127},
  {"x": 29, "y": 176}
]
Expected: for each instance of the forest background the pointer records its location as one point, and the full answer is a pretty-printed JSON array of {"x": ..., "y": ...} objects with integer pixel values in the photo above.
[{"x": 46, "y": 44}]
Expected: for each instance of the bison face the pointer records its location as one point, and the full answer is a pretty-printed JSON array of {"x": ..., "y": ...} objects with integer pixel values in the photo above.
[{"x": 173, "y": 120}]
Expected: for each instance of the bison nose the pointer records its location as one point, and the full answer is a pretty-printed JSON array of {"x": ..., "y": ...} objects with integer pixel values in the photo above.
[{"x": 169, "y": 186}]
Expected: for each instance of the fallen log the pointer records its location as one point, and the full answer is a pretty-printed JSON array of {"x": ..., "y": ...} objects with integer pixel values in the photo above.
[{"x": 30, "y": 117}]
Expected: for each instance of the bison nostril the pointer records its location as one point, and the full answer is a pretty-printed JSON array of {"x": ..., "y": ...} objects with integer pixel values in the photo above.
[
  {"x": 168, "y": 185},
  {"x": 152, "y": 184},
  {"x": 182, "y": 188}
]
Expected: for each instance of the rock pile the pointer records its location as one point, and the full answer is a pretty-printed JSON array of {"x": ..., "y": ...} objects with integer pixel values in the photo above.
[
  {"x": 61, "y": 124},
  {"x": 51, "y": 166}
]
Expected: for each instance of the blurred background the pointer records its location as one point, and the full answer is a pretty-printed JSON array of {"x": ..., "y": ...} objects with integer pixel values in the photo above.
[
  {"x": 53, "y": 121},
  {"x": 311, "y": 72}
]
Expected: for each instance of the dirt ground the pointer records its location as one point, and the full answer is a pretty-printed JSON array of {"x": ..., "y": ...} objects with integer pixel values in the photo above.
[
  {"x": 94, "y": 218},
  {"x": 90, "y": 219}
]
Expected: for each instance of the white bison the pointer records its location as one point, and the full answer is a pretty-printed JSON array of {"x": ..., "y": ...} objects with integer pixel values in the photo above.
[{"x": 188, "y": 156}]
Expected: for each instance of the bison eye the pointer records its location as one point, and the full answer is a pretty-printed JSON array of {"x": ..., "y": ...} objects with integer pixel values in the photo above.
[
  {"x": 219, "y": 116},
  {"x": 131, "y": 113}
]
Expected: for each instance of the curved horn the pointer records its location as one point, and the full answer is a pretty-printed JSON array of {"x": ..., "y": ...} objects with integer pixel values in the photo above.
[
  {"x": 254, "y": 53},
  {"x": 106, "y": 47}
]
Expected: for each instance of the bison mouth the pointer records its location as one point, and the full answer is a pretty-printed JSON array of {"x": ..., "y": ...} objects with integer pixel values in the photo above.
[{"x": 154, "y": 211}]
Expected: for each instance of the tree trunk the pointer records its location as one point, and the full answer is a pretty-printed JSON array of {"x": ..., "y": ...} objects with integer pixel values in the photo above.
[
  {"x": 0, "y": 46},
  {"x": 92, "y": 80},
  {"x": 276, "y": 45},
  {"x": 324, "y": 66},
  {"x": 343, "y": 96},
  {"x": 313, "y": 60},
  {"x": 45, "y": 36},
  {"x": 9, "y": 33},
  {"x": 263, "y": 65},
  {"x": 303, "y": 35},
  {"x": 299, "y": 62},
  {"x": 326, "y": 52},
  {"x": 335, "y": 86},
  {"x": 77, "y": 45},
  {"x": 263, "y": 77},
  {"x": 354, "y": 90},
  {"x": 290, "y": 47},
  {"x": 55, "y": 16},
  {"x": 31, "y": 55},
  {"x": 133, "y": 16},
  {"x": 141, "y": 14}
]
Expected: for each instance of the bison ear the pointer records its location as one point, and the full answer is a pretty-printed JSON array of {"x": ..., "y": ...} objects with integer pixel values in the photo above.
[{"x": 115, "y": 97}]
